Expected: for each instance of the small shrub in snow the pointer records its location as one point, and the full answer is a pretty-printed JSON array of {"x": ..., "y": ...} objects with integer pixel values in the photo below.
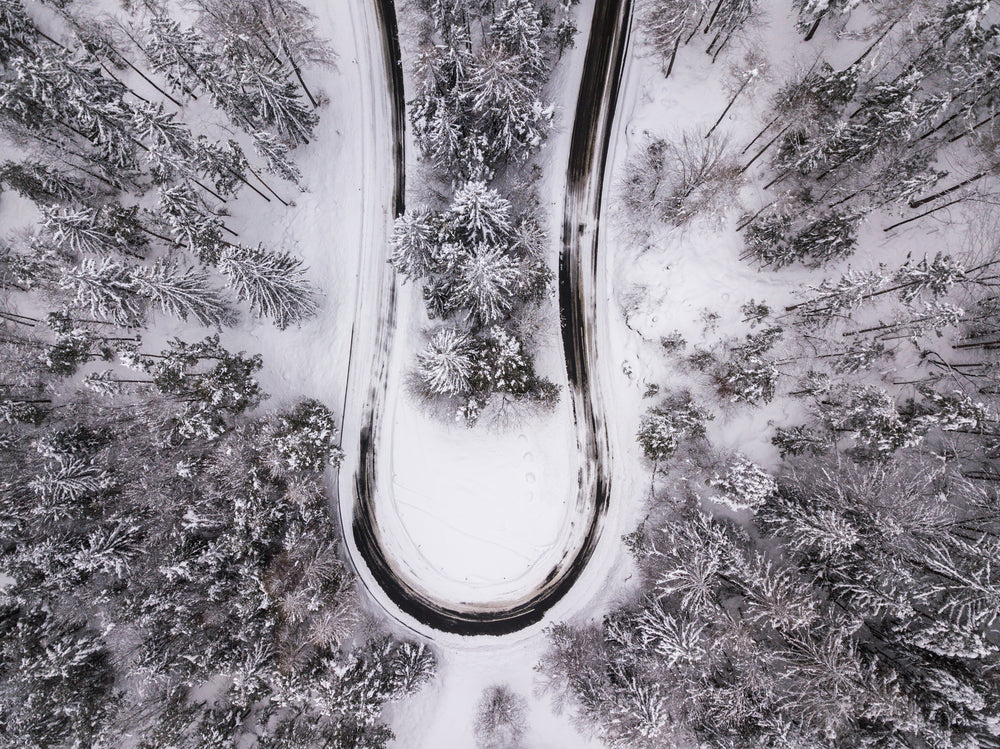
[
  {"x": 673, "y": 342},
  {"x": 745, "y": 485}
]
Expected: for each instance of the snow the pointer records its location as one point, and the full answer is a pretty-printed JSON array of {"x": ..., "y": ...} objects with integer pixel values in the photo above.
[{"x": 479, "y": 518}]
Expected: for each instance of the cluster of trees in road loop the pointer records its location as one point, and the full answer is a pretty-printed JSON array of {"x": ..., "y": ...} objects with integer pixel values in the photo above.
[
  {"x": 169, "y": 572},
  {"x": 478, "y": 115},
  {"x": 850, "y": 598}
]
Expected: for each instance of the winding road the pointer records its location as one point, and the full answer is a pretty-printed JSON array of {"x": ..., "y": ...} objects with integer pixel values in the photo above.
[{"x": 579, "y": 287}]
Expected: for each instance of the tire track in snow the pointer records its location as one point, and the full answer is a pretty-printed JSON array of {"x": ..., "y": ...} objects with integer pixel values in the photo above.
[{"x": 595, "y": 110}]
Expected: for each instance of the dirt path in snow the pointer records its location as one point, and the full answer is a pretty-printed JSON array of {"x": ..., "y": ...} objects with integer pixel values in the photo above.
[{"x": 578, "y": 303}]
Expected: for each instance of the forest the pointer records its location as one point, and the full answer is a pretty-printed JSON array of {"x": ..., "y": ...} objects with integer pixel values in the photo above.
[
  {"x": 171, "y": 573},
  {"x": 846, "y": 596},
  {"x": 787, "y": 289}
]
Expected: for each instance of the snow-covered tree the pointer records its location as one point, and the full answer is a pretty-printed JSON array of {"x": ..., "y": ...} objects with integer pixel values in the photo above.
[
  {"x": 43, "y": 184},
  {"x": 747, "y": 375},
  {"x": 744, "y": 485},
  {"x": 273, "y": 283},
  {"x": 211, "y": 393},
  {"x": 106, "y": 289},
  {"x": 776, "y": 240},
  {"x": 681, "y": 180},
  {"x": 667, "y": 23},
  {"x": 183, "y": 292},
  {"x": 414, "y": 244},
  {"x": 305, "y": 438},
  {"x": 446, "y": 363},
  {"x": 500, "y": 718},
  {"x": 665, "y": 427}
]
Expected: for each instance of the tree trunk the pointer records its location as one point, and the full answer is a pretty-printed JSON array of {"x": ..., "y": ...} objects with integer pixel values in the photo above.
[
  {"x": 743, "y": 224},
  {"x": 964, "y": 183},
  {"x": 764, "y": 149},
  {"x": 728, "y": 107},
  {"x": 874, "y": 44},
  {"x": 974, "y": 128},
  {"x": 718, "y": 7},
  {"x": 812, "y": 29},
  {"x": 673, "y": 56},
  {"x": 759, "y": 135},
  {"x": 921, "y": 215}
]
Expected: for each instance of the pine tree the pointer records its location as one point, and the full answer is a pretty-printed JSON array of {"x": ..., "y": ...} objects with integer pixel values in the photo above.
[
  {"x": 178, "y": 54},
  {"x": 183, "y": 292},
  {"x": 479, "y": 214},
  {"x": 43, "y": 184},
  {"x": 276, "y": 106},
  {"x": 17, "y": 31},
  {"x": 109, "y": 230},
  {"x": 106, "y": 289},
  {"x": 745, "y": 485},
  {"x": 274, "y": 284},
  {"x": 487, "y": 284},
  {"x": 275, "y": 154},
  {"x": 664, "y": 427},
  {"x": 446, "y": 364},
  {"x": 191, "y": 223},
  {"x": 305, "y": 438},
  {"x": 746, "y": 375},
  {"x": 413, "y": 243},
  {"x": 211, "y": 394}
]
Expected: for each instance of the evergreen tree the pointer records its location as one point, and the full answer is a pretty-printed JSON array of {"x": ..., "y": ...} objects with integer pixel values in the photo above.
[
  {"x": 183, "y": 292},
  {"x": 191, "y": 223},
  {"x": 43, "y": 184},
  {"x": 305, "y": 438},
  {"x": 211, "y": 395},
  {"x": 664, "y": 427},
  {"x": 446, "y": 364},
  {"x": 106, "y": 289},
  {"x": 273, "y": 283}
]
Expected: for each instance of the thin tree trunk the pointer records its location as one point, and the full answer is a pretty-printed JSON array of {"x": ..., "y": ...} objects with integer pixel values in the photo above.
[
  {"x": 673, "y": 56},
  {"x": 921, "y": 215},
  {"x": 874, "y": 44},
  {"x": 974, "y": 128},
  {"x": 779, "y": 178},
  {"x": 764, "y": 149},
  {"x": 715, "y": 38},
  {"x": 728, "y": 107},
  {"x": 715, "y": 13},
  {"x": 812, "y": 29},
  {"x": 722, "y": 46},
  {"x": 267, "y": 186},
  {"x": 759, "y": 135},
  {"x": 964, "y": 183},
  {"x": 743, "y": 224}
]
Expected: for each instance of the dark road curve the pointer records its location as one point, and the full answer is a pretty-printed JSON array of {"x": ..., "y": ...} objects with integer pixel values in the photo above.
[{"x": 589, "y": 147}]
